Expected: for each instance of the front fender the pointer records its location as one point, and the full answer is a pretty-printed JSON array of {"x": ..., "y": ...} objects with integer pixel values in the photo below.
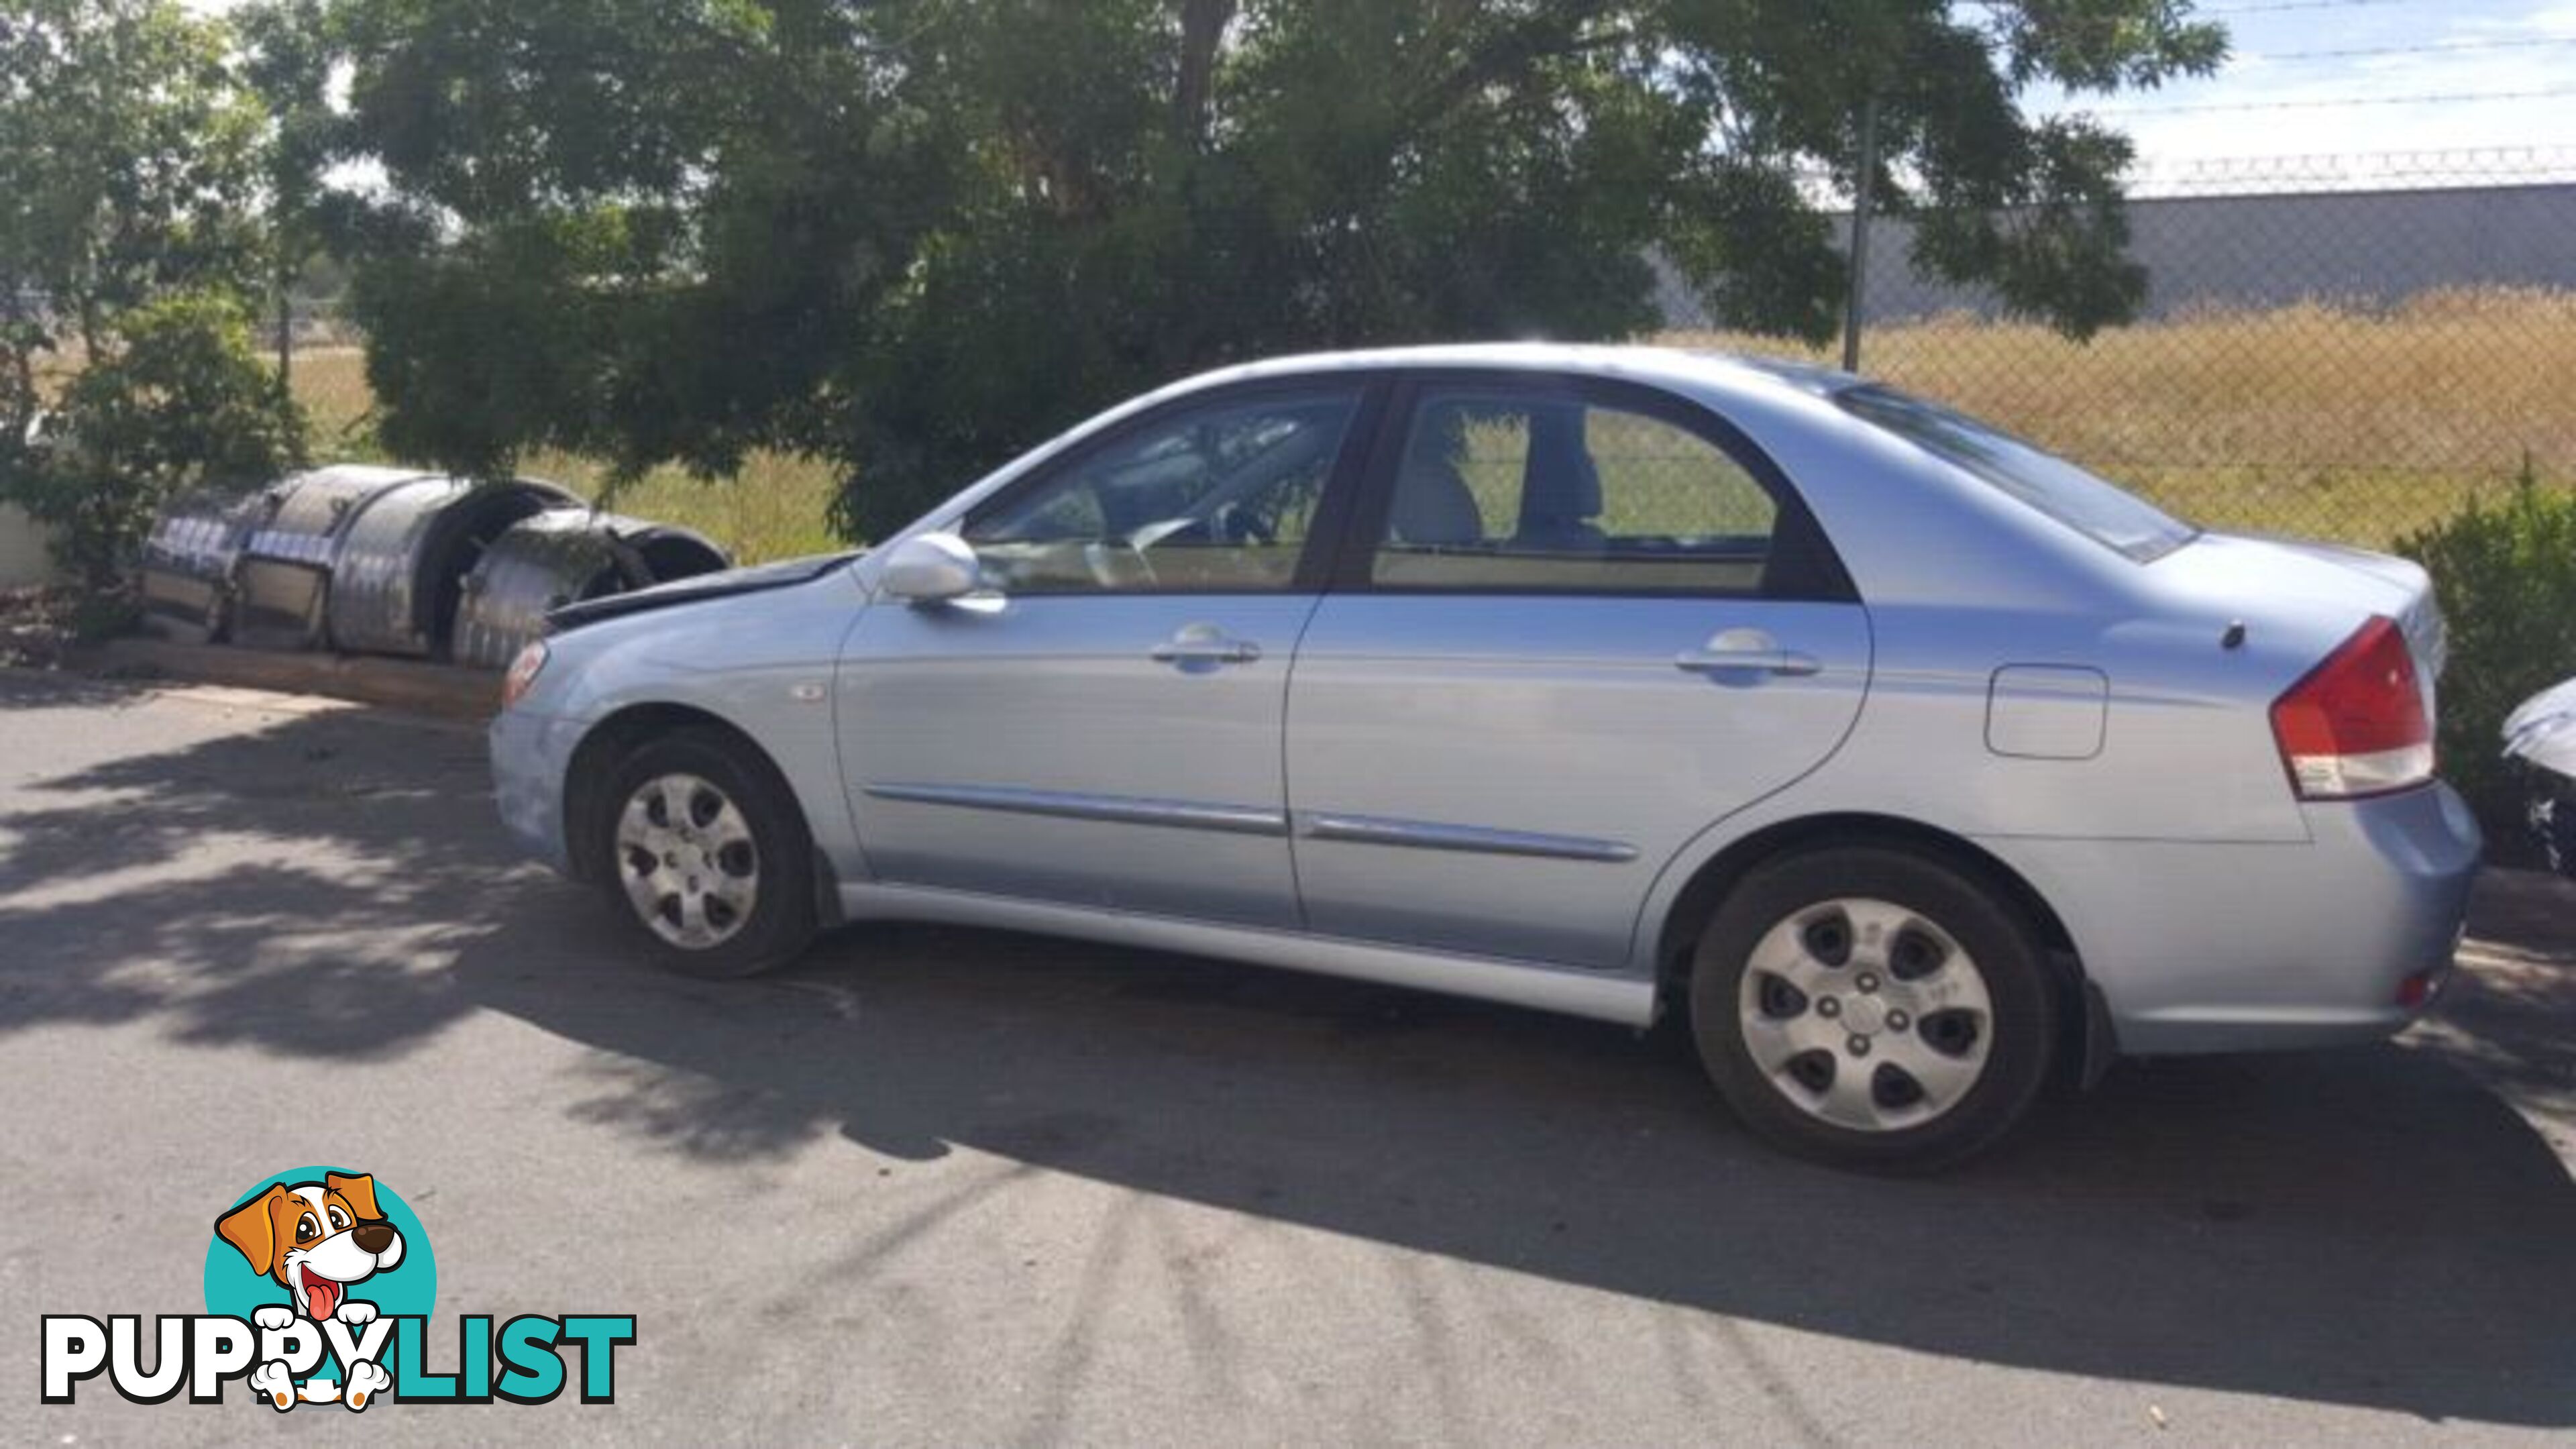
[{"x": 762, "y": 664}]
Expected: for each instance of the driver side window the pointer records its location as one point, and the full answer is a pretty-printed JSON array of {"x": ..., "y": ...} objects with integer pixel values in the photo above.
[{"x": 1212, "y": 499}]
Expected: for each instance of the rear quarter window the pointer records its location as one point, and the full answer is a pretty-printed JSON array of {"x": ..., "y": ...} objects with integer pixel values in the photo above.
[{"x": 2095, "y": 507}]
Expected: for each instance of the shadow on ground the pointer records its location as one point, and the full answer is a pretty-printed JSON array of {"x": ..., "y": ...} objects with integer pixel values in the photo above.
[{"x": 2372, "y": 1227}]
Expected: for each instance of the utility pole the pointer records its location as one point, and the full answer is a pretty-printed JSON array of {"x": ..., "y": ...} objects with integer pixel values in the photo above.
[{"x": 1855, "y": 293}]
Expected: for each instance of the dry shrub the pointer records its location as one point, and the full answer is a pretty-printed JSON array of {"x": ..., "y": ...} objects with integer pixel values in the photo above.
[
  {"x": 775, "y": 508},
  {"x": 2324, "y": 418}
]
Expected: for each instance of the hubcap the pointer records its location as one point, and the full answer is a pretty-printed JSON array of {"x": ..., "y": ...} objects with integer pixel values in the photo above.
[
  {"x": 688, "y": 862},
  {"x": 1866, "y": 1015}
]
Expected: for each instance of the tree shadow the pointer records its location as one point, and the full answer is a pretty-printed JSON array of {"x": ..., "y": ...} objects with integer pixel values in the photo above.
[{"x": 2370, "y": 1228}]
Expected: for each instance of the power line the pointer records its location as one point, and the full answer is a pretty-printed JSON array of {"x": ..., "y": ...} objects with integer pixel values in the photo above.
[
  {"x": 2276, "y": 8},
  {"x": 2443, "y": 47},
  {"x": 2454, "y": 98}
]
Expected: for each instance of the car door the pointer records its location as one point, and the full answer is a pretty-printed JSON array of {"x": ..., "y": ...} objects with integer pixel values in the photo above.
[
  {"x": 1580, "y": 622},
  {"x": 1104, "y": 726}
]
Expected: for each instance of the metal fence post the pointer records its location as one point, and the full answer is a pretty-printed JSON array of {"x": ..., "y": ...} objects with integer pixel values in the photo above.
[
  {"x": 285, "y": 339},
  {"x": 1857, "y": 290},
  {"x": 1861, "y": 233}
]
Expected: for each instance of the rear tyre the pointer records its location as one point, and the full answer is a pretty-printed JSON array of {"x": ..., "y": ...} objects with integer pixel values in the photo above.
[
  {"x": 706, "y": 856},
  {"x": 1873, "y": 1009}
]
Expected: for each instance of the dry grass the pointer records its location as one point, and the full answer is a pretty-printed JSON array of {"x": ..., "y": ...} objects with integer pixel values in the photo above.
[
  {"x": 2339, "y": 422},
  {"x": 2336, "y": 422},
  {"x": 776, "y": 507}
]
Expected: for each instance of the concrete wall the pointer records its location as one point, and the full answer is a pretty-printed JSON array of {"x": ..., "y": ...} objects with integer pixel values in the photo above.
[
  {"x": 23, "y": 555},
  {"x": 2368, "y": 248}
]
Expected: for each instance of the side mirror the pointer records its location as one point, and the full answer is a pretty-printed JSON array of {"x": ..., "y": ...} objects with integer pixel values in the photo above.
[{"x": 931, "y": 568}]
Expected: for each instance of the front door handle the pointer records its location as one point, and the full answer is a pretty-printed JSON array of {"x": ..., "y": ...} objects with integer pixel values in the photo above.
[
  {"x": 1746, "y": 651},
  {"x": 1204, "y": 644}
]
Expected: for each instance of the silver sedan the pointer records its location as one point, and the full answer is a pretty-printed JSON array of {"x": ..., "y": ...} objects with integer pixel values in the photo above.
[{"x": 1914, "y": 766}]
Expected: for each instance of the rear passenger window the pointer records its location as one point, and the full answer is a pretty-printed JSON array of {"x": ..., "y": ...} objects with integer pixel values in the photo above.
[{"x": 1513, "y": 493}]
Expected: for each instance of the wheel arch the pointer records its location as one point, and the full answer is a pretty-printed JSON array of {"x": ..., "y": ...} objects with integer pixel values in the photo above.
[
  {"x": 628, "y": 727},
  {"x": 2084, "y": 1021}
]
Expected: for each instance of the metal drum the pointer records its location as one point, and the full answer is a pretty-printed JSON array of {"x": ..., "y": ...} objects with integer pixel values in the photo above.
[
  {"x": 284, "y": 576},
  {"x": 560, "y": 557},
  {"x": 188, "y": 563},
  {"x": 398, "y": 571}
]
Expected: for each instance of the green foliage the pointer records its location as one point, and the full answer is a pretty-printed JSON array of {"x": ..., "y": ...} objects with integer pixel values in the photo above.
[
  {"x": 286, "y": 54},
  {"x": 129, "y": 177},
  {"x": 2506, "y": 578},
  {"x": 127, "y": 158},
  {"x": 177, "y": 402},
  {"x": 626, "y": 228},
  {"x": 915, "y": 235}
]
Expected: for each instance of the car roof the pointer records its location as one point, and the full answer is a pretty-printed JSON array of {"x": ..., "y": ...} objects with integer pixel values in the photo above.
[{"x": 1719, "y": 372}]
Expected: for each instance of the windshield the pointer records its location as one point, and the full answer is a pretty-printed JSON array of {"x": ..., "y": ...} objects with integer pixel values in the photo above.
[{"x": 2094, "y": 507}]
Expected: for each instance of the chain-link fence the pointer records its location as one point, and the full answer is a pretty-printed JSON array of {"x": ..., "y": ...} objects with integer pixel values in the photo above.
[
  {"x": 2343, "y": 347},
  {"x": 2340, "y": 347}
]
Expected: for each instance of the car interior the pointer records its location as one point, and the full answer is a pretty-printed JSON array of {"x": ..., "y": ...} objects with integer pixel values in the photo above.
[
  {"x": 1505, "y": 494},
  {"x": 1494, "y": 493},
  {"x": 1208, "y": 502}
]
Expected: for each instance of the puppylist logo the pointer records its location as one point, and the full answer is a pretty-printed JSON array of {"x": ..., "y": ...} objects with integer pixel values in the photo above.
[{"x": 319, "y": 1285}]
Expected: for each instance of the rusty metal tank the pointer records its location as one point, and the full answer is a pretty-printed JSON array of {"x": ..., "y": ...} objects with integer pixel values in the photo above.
[
  {"x": 188, "y": 562},
  {"x": 563, "y": 556},
  {"x": 402, "y": 556}
]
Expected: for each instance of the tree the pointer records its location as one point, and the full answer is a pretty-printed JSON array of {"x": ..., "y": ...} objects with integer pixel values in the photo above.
[
  {"x": 126, "y": 159},
  {"x": 644, "y": 230},
  {"x": 286, "y": 48},
  {"x": 918, "y": 234},
  {"x": 175, "y": 401},
  {"x": 128, "y": 235}
]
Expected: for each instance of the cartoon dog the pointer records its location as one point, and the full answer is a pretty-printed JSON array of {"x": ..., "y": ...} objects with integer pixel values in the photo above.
[{"x": 316, "y": 1239}]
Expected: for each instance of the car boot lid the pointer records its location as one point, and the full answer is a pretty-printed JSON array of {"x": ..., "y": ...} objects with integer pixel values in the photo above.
[{"x": 2347, "y": 584}]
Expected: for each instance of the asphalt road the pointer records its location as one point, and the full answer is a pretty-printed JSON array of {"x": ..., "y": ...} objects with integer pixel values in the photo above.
[{"x": 940, "y": 1186}]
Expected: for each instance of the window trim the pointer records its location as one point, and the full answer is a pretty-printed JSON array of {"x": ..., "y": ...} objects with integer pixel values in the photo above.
[
  {"x": 1315, "y": 561},
  {"x": 1355, "y": 553}
]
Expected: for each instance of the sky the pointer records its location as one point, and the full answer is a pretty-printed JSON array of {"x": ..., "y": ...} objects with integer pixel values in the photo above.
[{"x": 2295, "y": 64}]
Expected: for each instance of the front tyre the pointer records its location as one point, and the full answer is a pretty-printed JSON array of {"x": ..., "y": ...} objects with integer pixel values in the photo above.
[
  {"x": 1873, "y": 1009},
  {"x": 707, "y": 856}
]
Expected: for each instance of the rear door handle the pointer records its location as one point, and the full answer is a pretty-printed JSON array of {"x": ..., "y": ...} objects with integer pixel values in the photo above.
[
  {"x": 1765, "y": 661},
  {"x": 1204, "y": 644},
  {"x": 1227, "y": 651},
  {"x": 1746, "y": 651}
]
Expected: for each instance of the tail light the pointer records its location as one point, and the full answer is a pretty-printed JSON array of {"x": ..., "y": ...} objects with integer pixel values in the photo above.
[{"x": 2357, "y": 724}]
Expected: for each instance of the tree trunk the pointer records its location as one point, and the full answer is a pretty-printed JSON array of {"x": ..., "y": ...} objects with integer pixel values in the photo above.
[{"x": 1203, "y": 25}]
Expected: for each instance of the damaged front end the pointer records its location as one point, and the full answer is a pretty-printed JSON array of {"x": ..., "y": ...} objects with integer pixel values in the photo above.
[{"x": 2540, "y": 738}]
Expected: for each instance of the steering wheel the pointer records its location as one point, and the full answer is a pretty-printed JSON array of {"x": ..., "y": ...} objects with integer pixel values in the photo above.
[{"x": 1240, "y": 523}]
